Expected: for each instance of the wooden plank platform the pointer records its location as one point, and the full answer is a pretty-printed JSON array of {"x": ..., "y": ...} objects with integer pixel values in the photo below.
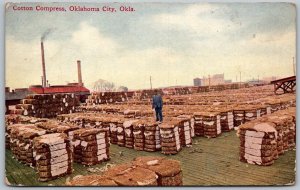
[{"x": 208, "y": 162}]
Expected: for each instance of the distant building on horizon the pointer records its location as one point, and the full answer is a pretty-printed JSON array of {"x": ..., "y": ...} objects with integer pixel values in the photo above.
[
  {"x": 213, "y": 80},
  {"x": 197, "y": 81},
  {"x": 227, "y": 81},
  {"x": 216, "y": 79}
]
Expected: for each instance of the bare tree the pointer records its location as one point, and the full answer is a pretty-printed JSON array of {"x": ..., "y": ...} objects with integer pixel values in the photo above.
[
  {"x": 103, "y": 86},
  {"x": 123, "y": 89}
]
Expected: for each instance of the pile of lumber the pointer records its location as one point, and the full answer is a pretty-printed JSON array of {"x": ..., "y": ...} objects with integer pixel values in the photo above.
[
  {"x": 91, "y": 146},
  {"x": 142, "y": 171},
  {"x": 48, "y": 105},
  {"x": 53, "y": 155}
]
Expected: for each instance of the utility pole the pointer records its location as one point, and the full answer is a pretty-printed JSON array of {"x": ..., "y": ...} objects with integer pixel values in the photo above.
[
  {"x": 240, "y": 78},
  {"x": 209, "y": 80},
  {"x": 150, "y": 83},
  {"x": 294, "y": 66}
]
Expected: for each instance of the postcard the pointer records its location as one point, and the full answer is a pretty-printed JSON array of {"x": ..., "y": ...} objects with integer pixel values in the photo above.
[{"x": 150, "y": 94}]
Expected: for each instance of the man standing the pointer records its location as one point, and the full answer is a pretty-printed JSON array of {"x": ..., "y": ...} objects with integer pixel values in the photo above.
[{"x": 157, "y": 104}]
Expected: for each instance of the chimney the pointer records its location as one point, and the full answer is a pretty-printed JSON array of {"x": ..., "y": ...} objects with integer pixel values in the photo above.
[
  {"x": 43, "y": 65},
  {"x": 79, "y": 73}
]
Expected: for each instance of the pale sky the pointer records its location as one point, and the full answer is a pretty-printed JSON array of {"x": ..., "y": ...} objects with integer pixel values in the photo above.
[{"x": 173, "y": 43}]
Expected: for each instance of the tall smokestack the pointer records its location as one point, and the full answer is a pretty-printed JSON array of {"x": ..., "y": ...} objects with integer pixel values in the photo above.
[
  {"x": 79, "y": 73},
  {"x": 43, "y": 65}
]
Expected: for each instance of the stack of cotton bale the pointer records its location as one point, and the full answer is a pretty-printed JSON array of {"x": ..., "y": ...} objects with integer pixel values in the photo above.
[
  {"x": 138, "y": 134},
  {"x": 17, "y": 119},
  {"x": 120, "y": 133},
  {"x": 21, "y": 138},
  {"x": 48, "y": 105},
  {"x": 74, "y": 119},
  {"x": 258, "y": 144},
  {"x": 113, "y": 128},
  {"x": 142, "y": 171},
  {"x": 130, "y": 175},
  {"x": 184, "y": 130},
  {"x": 128, "y": 129},
  {"x": 152, "y": 136},
  {"x": 16, "y": 111},
  {"x": 147, "y": 94},
  {"x": 91, "y": 146},
  {"x": 168, "y": 171},
  {"x": 291, "y": 111},
  {"x": 282, "y": 131},
  {"x": 264, "y": 110},
  {"x": 238, "y": 116},
  {"x": 285, "y": 126},
  {"x": 289, "y": 127},
  {"x": 251, "y": 113},
  {"x": 275, "y": 105},
  {"x": 94, "y": 120},
  {"x": 130, "y": 113},
  {"x": 199, "y": 130},
  {"x": 53, "y": 155},
  {"x": 191, "y": 124},
  {"x": 107, "y": 97},
  {"x": 226, "y": 119},
  {"x": 7, "y": 137},
  {"x": 170, "y": 140},
  {"x": 92, "y": 100},
  {"x": 52, "y": 126},
  {"x": 105, "y": 125},
  {"x": 91, "y": 180},
  {"x": 211, "y": 124},
  {"x": 98, "y": 109},
  {"x": 14, "y": 119}
]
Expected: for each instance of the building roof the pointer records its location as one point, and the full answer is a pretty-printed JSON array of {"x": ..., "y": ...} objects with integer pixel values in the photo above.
[{"x": 59, "y": 89}]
